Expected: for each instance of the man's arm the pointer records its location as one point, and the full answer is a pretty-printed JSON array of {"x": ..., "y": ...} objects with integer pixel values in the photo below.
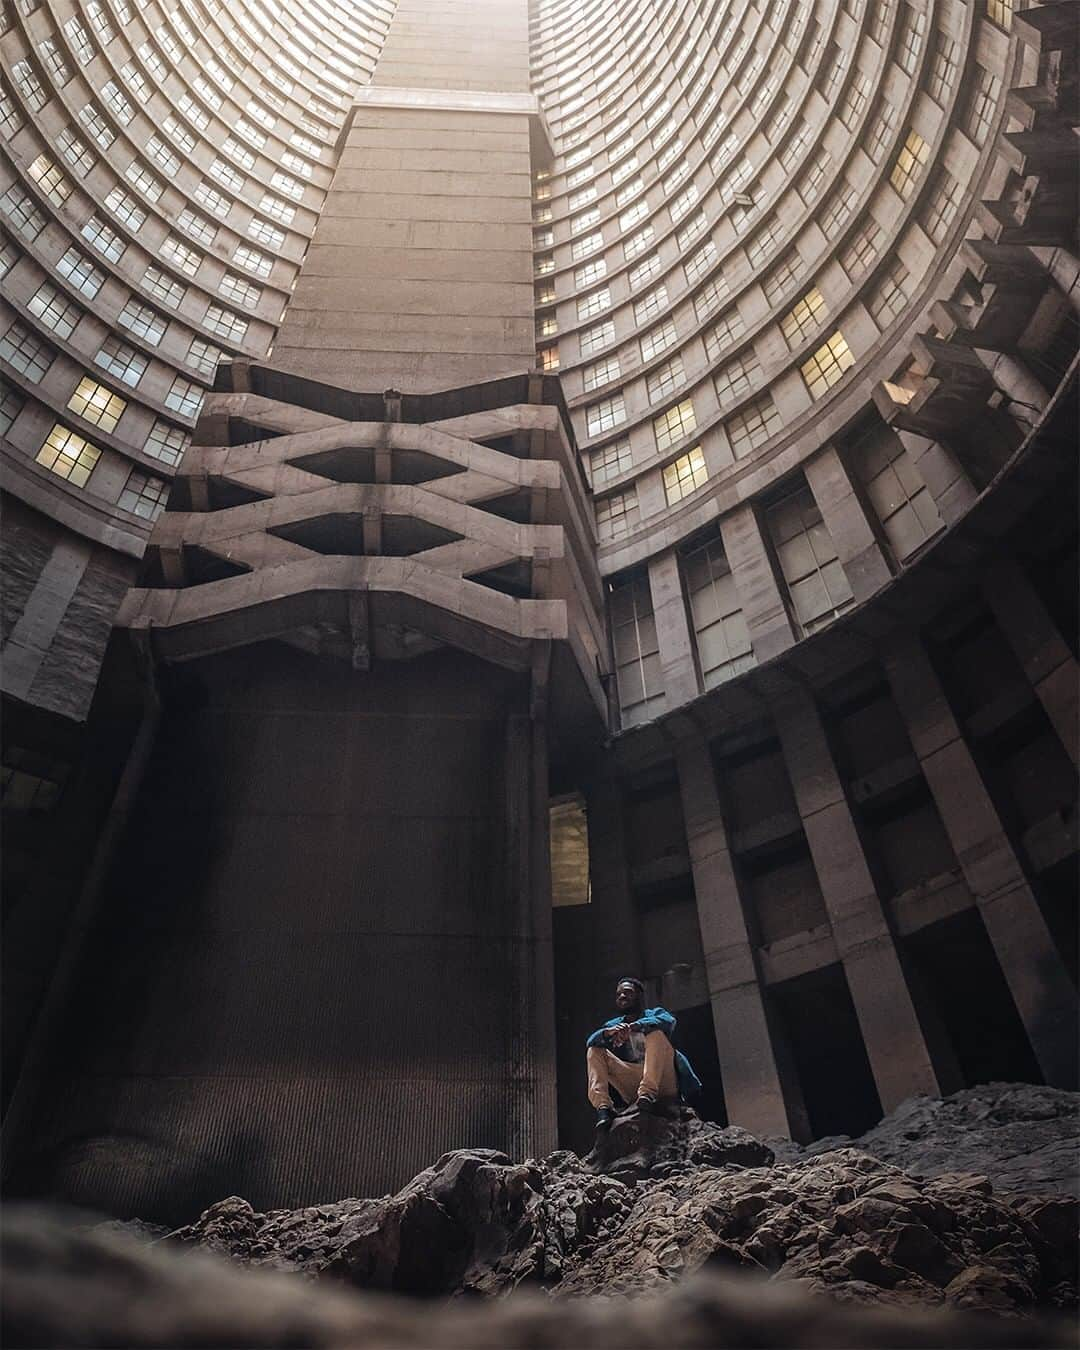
[
  {"x": 600, "y": 1034},
  {"x": 656, "y": 1019}
]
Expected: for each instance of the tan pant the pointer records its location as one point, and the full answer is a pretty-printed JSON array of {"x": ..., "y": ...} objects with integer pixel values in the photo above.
[{"x": 654, "y": 1078}]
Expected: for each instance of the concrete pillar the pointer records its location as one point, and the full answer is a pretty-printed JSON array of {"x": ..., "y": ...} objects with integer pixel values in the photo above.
[
  {"x": 945, "y": 477},
  {"x": 858, "y": 547},
  {"x": 618, "y": 949},
  {"x": 1041, "y": 988},
  {"x": 752, "y": 1086},
  {"x": 763, "y": 604},
  {"x": 1041, "y": 650},
  {"x": 1027, "y": 396},
  {"x": 894, "y": 1040},
  {"x": 672, "y": 629},
  {"x": 1064, "y": 269}
]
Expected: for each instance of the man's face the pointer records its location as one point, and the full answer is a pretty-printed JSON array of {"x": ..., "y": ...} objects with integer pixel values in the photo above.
[{"x": 627, "y": 996}]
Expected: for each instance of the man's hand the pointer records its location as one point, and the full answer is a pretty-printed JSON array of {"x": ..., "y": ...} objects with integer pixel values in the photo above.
[{"x": 618, "y": 1035}]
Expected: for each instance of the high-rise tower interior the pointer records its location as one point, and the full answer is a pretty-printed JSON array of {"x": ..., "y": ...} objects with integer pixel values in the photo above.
[{"x": 501, "y": 496}]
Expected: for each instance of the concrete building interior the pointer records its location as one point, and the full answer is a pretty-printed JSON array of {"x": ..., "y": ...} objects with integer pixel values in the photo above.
[{"x": 500, "y": 495}]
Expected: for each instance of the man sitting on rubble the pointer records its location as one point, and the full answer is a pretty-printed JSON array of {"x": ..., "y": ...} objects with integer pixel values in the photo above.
[{"x": 633, "y": 1053}]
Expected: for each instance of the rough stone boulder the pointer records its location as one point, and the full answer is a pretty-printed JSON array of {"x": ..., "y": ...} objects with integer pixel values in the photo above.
[
  {"x": 66, "y": 1285},
  {"x": 640, "y": 1145}
]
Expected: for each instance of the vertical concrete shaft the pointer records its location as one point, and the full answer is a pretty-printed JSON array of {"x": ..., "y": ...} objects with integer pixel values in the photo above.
[
  {"x": 850, "y": 526},
  {"x": 672, "y": 629},
  {"x": 1040, "y": 986},
  {"x": 419, "y": 274},
  {"x": 895, "y": 1044},
  {"x": 945, "y": 478},
  {"x": 752, "y": 1085},
  {"x": 1039, "y": 647},
  {"x": 763, "y": 606}
]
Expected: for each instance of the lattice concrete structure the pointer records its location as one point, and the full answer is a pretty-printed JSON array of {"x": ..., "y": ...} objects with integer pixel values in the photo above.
[{"x": 671, "y": 417}]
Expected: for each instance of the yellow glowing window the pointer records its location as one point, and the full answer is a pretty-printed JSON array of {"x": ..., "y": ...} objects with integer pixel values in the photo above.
[
  {"x": 913, "y": 155},
  {"x": 97, "y": 404},
  {"x": 803, "y": 318},
  {"x": 68, "y": 455},
  {"x": 685, "y": 475},
  {"x": 827, "y": 365},
  {"x": 1001, "y": 12}
]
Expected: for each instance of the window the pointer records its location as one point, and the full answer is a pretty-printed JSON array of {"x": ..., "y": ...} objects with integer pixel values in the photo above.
[
  {"x": 580, "y": 248},
  {"x": 944, "y": 69},
  {"x": 638, "y": 243},
  {"x": 212, "y": 199},
  {"x": 197, "y": 227},
  {"x": 95, "y": 403},
  {"x": 226, "y": 174},
  {"x": 266, "y": 233},
  {"x": 50, "y": 180},
  {"x": 644, "y": 271},
  {"x": 225, "y": 324},
  {"x": 122, "y": 361},
  {"x": 23, "y": 350},
  {"x": 585, "y": 221},
  {"x": 81, "y": 272},
  {"x": 118, "y": 104},
  {"x": 1000, "y": 12},
  {"x": 889, "y": 296},
  {"x": 178, "y": 253},
  {"x": 723, "y": 334},
  {"x": 548, "y": 358},
  {"x": 68, "y": 455},
  {"x": 816, "y": 582},
  {"x": 665, "y": 379},
  {"x": 547, "y": 325},
  {"x": 616, "y": 515},
  {"x": 737, "y": 377},
  {"x": 806, "y": 316},
  {"x": 673, "y": 424},
  {"x": 10, "y": 119},
  {"x": 99, "y": 21},
  {"x": 593, "y": 339},
  {"x": 658, "y": 340},
  {"x": 166, "y": 442},
  {"x": 54, "y": 310},
  {"x": 96, "y": 125},
  {"x": 601, "y": 372},
  {"x": 239, "y": 291},
  {"x": 723, "y": 639},
  {"x": 162, "y": 287},
  {"x": 752, "y": 425},
  {"x": 854, "y": 100},
  {"x": 650, "y": 305},
  {"x": 143, "y": 321},
  {"x": 610, "y": 461},
  {"x": 942, "y": 206},
  {"x": 837, "y": 209},
  {"x": 11, "y": 405},
  {"x": 162, "y": 156},
  {"x": 590, "y": 274},
  {"x": 880, "y": 135},
  {"x": 909, "y": 163},
  {"x": 859, "y": 255},
  {"x": 143, "y": 495},
  {"x": 710, "y": 297},
  {"x": 184, "y": 397},
  {"x": 690, "y": 231},
  {"x": 638, "y": 673},
  {"x": 253, "y": 261},
  {"x": 827, "y": 365},
  {"x": 596, "y": 303},
  {"x": 680, "y": 205},
  {"x": 685, "y": 475},
  {"x": 144, "y": 181},
  {"x": 602, "y": 416},
  {"x": 31, "y": 88},
  {"x": 107, "y": 242},
  {"x": 126, "y": 209},
  {"x": 54, "y": 62},
  {"x": 894, "y": 487},
  {"x": 912, "y": 35},
  {"x": 699, "y": 263},
  {"x": 80, "y": 42},
  {"x": 982, "y": 105}
]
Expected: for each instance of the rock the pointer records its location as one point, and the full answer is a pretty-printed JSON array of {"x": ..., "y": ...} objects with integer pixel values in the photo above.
[
  {"x": 639, "y": 1145},
  {"x": 67, "y": 1285}
]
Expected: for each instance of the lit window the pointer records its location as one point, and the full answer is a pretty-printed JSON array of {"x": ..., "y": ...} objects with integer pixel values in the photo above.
[
  {"x": 685, "y": 475},
  {"x": 752, "y": 425},
  {"x": 143, "y": 495},
  {"x": 804, "y": 318},
  {"x": 1000, "y": 12},
  {"x": 94, "y": 403},
  {"x": 25, "y": 352},
  {"x": 909, "y": 164},
  {"x": 602, "y": 416},
  {"x": 68, "y": 455},
  {"x": 827, "y": 365},
  {"x": 548, "y": 358},
  {"x": 673, "y": 424}
]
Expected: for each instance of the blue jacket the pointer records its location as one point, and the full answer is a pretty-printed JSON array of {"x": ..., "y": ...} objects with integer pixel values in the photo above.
[{"x": 653, "y": 1019}]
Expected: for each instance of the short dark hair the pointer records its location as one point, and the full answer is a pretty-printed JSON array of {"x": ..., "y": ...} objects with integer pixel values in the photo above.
[{"x": 631, "y": 979}]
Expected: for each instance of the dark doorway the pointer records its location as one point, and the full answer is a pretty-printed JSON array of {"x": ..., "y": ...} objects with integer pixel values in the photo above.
[
  {"x": 695, "y": 1036},
  {"x": 961, "y": 974},
  {"x": 827, "y": 1047}
]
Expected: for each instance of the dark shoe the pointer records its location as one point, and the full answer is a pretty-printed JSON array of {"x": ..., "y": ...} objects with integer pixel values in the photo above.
[
  {"x": 648, "y": 1106},
  {"x": 604, "y": 1116}
]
